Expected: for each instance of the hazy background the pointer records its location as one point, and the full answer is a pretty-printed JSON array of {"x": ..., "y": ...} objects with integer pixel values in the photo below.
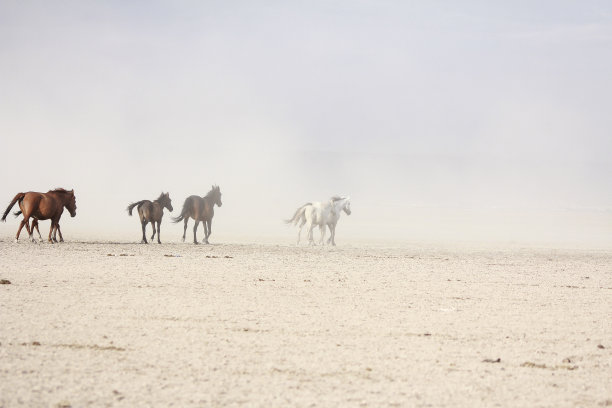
[{"x": 444, "y": 121}]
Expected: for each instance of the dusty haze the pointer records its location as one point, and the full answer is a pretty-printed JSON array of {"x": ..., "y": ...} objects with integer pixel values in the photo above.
[{"x": 477, "y": 122}]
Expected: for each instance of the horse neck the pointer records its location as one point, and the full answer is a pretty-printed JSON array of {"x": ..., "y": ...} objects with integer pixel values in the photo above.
[
  {"x": 338, "y": 205},
  {"x": 329, "y": 211},
  {"x": 210, "y": 200},
  {"x": 62, "y": 197}
]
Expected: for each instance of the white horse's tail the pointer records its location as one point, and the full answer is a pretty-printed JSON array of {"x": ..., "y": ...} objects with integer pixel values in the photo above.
[{"x": 298, "y": 215}]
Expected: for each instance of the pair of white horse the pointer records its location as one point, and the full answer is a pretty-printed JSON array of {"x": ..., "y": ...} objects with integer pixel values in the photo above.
[{"x": 322, "y": 214}]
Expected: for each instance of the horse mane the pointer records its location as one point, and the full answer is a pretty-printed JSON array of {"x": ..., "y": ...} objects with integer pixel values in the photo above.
[
  {"x": 59, "y": 190},
  {"x": 336, "y": 198},
  {"x": 160, "y": 196},
  {"x": 214, "y": 191}
]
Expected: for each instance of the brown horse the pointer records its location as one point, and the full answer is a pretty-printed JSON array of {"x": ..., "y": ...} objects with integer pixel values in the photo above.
[
  {"x": 43, "y": 206},
  {"x": 200, "y": 209},
  {"x": 152, "y": 212}
]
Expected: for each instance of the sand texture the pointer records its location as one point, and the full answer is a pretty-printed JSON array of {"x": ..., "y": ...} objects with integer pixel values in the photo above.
[{"x": 112, "y": 324}]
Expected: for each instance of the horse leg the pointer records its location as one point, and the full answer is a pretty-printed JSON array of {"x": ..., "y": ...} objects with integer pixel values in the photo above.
[
  {"x": 322, "y": 231},
  {"x": 153, "y": 236},
  {"x": 55, "y": 227},
  {"x": 195, "y": 229},
  {"x": 144, "y": 237},
  {"x": 55, "y": 232},
  {"x": 59, "y": 231},
  {"x": 30, "y": 229},
  {"x": 310, "y": 238},
  {"x": 207, "y": 229},
  {"x": 51, "y": 230},
  {"x": 300, "y": 230},
  {"x": 21, "y": 224},
  {"x": 158, "y": 231},
  {"x": 35, "y": 225},
  {"x": 185, "y": 228},
  {"x": 332, "y": 235}
]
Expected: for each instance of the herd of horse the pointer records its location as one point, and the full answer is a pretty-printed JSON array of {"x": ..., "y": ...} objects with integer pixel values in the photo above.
[{"x": 50, "y": 206}]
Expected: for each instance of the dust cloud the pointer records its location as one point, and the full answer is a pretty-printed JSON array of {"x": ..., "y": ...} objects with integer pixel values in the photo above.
[{"x": 479, "y": 124}]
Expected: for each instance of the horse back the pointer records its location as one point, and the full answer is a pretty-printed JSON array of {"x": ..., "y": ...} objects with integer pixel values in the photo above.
[
  {"x": 146, "y": 211},
  {"x": 40, "y": 205},
  {"x": 195, "y": 207}
]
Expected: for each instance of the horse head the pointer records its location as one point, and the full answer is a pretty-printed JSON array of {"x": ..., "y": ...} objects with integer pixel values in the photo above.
[
  {"x": 217, "y": 195},
  {"x": 346, "y": 207},
  {"x": 71, "y": 204},
  {"x": 165, "y": 201}
]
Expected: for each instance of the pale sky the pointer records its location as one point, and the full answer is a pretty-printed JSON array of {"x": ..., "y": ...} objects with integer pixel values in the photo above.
[{"x": 442, "y": 120}]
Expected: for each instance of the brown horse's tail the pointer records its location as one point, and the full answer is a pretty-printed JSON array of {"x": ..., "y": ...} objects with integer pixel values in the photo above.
[
  {"x": 131, "y": 206},
  {"x": 184, "y": 212},
  {"x": 18, "y": 197}
]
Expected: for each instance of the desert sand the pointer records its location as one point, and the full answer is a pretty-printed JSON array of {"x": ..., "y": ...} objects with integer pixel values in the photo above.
[{"x": 122, "y": 324}]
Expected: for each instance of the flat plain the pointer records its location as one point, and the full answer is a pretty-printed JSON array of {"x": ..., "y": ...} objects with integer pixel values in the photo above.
[{"x": 121, "y": 324}]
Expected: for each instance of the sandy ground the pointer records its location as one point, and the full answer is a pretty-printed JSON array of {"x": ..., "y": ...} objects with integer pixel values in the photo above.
[{"x": 117, "y": 324}]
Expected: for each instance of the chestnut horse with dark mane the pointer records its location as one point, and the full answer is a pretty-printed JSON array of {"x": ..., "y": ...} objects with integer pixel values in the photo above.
[
  {"x": 152, "y": 212},
  {"x": 200, "y": 209},
  {"x": 43, "y": 206}
]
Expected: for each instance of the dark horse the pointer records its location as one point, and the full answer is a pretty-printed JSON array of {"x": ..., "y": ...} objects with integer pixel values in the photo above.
[
  {"x": 200, "y": 209},
  {"x": 43, "y": 206},
  {"x": 152, "y": 212}
]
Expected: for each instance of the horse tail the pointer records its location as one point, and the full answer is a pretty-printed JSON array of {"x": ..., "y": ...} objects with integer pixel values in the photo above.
[
  {"x": 184, "y": 212},
  {"x": 299, "y": 213},
  {"x": 136, "y": 204},
  {"x": 18, "y": 197}
]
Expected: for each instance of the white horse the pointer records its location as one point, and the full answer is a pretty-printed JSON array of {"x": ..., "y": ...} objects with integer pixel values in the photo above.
[{"x": 326, "y": 213}]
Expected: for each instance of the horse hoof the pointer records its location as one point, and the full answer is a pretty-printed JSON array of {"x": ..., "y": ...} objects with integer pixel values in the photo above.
[
  {"x": 196, "y": 243},
  {"x": 16, "y": 240}
]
